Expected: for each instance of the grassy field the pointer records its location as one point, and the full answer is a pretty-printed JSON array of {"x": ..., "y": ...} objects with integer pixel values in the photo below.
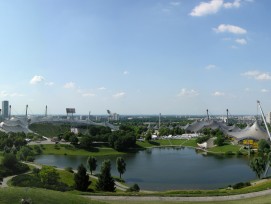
[
  {"x": 171, "y": 142},
  {"x": 225, "y": 148},
  {"x": 41, "y": 196},
  {"x": 190, "y": 143},
  {"x": 62, "y": 149},
  {"x": 256, "y": 200},
  {"x": 49, "y": 129}
]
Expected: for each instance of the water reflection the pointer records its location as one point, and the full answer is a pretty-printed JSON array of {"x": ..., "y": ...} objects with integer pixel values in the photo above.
[{"x": 169, "y": 168}]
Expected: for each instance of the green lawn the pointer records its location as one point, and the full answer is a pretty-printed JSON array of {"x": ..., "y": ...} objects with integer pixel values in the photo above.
[
  {"x": 189, "y": 143},
  {"x": 62, "y": 149},
  {"x": 41, "y": 196},
  {"x": 225, "y": 148},
  {"x": 169, "y": 142},
  {"x": 256, "y": 200}
]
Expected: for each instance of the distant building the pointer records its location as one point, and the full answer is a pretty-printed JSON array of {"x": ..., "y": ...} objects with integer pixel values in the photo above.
[
  {"x": 5, "y": 111},
  {"x": 115, "y": 116},
  {"x": 268, "y": 118}
]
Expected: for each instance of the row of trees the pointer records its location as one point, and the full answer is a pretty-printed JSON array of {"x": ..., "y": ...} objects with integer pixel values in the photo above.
[
  {"x": 120, "y": 163},
  {"x": 208, "y": 133},
  {"x": 105, "y": 180}
]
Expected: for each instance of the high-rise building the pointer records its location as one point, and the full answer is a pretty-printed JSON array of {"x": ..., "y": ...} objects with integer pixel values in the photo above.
[
  {"x": 268, "y": 118},
  {"x": 5, "y": 110}
]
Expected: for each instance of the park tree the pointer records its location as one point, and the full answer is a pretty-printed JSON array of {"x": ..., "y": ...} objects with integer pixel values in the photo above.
[
  {"x": 10, "y": 161},
  {"x": 86, "y": 142},
  {"x": 263, "y": 147},
  {"x": 220, "y": 139},
  {"x": 105, "y": 180},
  {"x": 81, "y": 178},
  {"x": 92, "y": 164},
  {"x": 258, "y": 165},
  {"x": 49, "y": 175},
  {"x": 25, "y": 154},
  {"x": 148, "y": 136},
  {"x": 121, "y": 165},
  {"x": 73, "y": 139}
]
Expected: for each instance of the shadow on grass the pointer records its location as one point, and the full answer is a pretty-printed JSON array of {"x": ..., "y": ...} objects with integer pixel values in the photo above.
[{"x": 154, "y": 143}]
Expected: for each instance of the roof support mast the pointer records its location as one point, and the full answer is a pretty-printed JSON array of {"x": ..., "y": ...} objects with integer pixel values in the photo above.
[
  {"x": 264, "y": 119},
  {"x": 268, "y": 163}
]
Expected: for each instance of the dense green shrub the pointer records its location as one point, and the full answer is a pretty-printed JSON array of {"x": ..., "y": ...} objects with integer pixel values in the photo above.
[
  {"x": 133, "y": 188},
  {"x": 241, "y": 185}
]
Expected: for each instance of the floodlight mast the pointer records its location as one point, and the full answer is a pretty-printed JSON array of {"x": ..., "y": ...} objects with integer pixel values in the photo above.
[
  {"x": 268, "y": 162},
  {"x": 259, "y": 104}
]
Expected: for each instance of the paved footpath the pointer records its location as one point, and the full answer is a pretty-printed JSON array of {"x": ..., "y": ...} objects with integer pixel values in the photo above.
[{"x": 181, "y": 199}]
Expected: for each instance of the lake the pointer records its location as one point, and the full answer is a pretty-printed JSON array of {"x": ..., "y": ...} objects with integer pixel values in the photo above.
[{"x": 169, "y": 168}]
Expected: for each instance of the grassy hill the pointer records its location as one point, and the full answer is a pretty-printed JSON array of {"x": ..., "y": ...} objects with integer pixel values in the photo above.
[
  {"x": 14, "y": 195},
  {"x": 49, "y": 129}
]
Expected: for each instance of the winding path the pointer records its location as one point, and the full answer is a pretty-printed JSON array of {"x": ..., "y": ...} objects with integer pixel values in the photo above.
[
  {"x": 181, "y": 199},
  {"x": 156, "y": 198},
  {"x": 4, "y": 184}
]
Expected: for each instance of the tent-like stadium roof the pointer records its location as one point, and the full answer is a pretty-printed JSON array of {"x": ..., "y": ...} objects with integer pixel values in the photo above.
[
  {"x": 255, "y": 132},
  {"x": 14, "y": 125}
]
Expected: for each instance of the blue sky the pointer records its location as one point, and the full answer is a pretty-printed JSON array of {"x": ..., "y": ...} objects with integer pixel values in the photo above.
[{"x": 136, "y": 57}]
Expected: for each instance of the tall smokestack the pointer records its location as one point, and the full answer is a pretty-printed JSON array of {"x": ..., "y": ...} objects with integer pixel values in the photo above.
[
  {"x": 208, "y": 114},
  {"x": 227, "y": 116},
  {"x": 159, "y": 120},
  {"x": 26, "y": 109},
  {"x": 9, "y": 111},
  {"x": 46, "y": 111}
]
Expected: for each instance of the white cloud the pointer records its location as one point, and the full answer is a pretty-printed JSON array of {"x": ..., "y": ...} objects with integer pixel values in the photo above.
[
  {"x": 49, "y": 83},
  {"x": 218, "y": 93},
  {"x": 257, "y": 75},
  {"x": 234, "y": 4},
  {"x": 185, "y": 92},
  {"x": 102, "y": 88},
  {"x": 264, "y": 90},
  {"x": 36, "y": 79},
  {"x": 125, "y": 72},
  {"x": 223, "y": 28},
  {"x": 210, "y": 67},
  {"x": 69, "y": 85},
  {"x": 241, "y": 41},
  {"x": 175, "y": 3},
  {"x": 4, "y": 94},
  {"x": 119, "y": 95},
  {"x": 88, "y": 94},
  {"x": 204, "y": 8},
  {"x": 247, "y": 89},
  {"x": 213, "y": 6}
]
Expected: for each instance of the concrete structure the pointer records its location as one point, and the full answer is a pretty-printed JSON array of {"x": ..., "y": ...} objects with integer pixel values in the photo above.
[
  {"x": 254, "y": 132},
  {"x": 268, "y": 118},
  {"x": 14, "y": 125},
  {"x": 5, "y": 109}
]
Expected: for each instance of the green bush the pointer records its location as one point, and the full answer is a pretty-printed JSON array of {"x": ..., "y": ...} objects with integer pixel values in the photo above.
[
  {"x": 69, "y": 169},
  {"x": 229, "y": 153},
  {"x": 133, "y": 188},
  {"x": 241, "y": 185},
  {"x": 26, "y": 180}
]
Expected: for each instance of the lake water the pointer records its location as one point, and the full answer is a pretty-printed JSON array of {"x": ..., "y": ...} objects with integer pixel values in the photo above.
[{"x": 169, "y": 168}]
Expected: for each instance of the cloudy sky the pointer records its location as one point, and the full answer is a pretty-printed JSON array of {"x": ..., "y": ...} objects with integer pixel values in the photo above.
[{"x": 136, "y": 57}]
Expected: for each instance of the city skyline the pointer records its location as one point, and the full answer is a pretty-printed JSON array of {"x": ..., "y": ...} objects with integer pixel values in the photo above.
[{"x": 136, "y": 57}]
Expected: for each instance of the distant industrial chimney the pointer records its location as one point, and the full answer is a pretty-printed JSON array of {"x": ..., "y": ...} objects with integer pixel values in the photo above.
[
  {"x": 159, "y": 120},
  {"x": 46, "y": 111},
  {"x": 227, "y": 116},
  {"x": 26, "y": 109},
  {"x": 9, "y": 111},
  {"x": 208, "y": 114}
]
